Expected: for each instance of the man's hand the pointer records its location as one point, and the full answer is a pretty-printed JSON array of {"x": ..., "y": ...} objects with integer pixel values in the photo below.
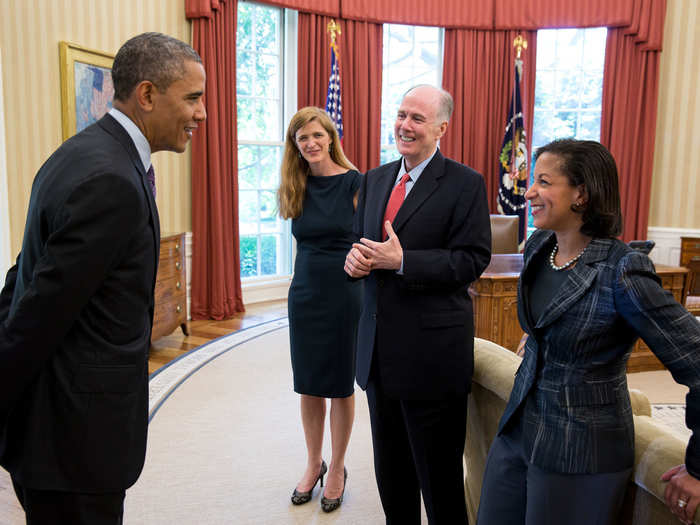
[
  {"x": 356, "y": 265},
  {"x": 385, "y": 255}
]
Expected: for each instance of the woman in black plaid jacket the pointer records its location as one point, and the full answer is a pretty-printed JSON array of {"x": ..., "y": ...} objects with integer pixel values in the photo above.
[{"x": 565, "y": 445}]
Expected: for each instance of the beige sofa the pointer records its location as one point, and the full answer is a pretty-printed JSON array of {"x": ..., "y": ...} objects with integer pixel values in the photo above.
[{"x": 656, "y": 448}]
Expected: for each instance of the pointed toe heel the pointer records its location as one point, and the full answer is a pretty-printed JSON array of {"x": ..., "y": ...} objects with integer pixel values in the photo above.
[
  {"x": 299, "y": 498},
  {"x": 329, "y": 505}
]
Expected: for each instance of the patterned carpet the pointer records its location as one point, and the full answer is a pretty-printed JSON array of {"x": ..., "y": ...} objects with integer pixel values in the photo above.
[{"x": 674, "y": 417}]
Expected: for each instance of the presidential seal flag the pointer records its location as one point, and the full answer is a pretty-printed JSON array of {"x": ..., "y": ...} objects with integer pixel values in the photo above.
[
  {"x": 334, "y": 105},
  {"x": 512, "y": 160}
]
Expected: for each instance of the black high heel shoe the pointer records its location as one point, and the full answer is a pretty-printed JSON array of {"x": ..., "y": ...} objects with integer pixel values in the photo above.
[
  {"x": 299, "y": 498},
  {"x": 329, "y": 505}
]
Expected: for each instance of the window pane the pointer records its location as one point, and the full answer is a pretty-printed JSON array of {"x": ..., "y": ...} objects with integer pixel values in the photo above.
[
  {"x": 544, "y": 88},
  {"x": 248, "y": 206},
  {"x": 247, "y": 167},
  {"x": 592, "y": 90},
  {"x": 589, "y": 126},
  {"x": 269, "y": 162},
  {"x": 245, "y": 67},
  {"x": 268, "y": 207},
  {"x": 249, "y": 256},
  {"x": 244, "y": 33},
  {"x": 267, "y": 81},
  {"x": 568, "y": 89},
  {"x": 268, "y": 255},
  {"x": 267, "y": 30}
]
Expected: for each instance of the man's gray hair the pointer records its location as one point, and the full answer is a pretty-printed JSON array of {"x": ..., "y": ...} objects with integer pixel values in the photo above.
[
  {"x": 150, "y": 56},
  {"x": 446, "y": 104}
]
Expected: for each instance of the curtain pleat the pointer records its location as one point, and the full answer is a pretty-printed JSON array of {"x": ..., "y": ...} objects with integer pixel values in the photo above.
[
  {"x": 478, "y": 71},
  {"x": 216, "y": 282},
  {"x": 628, "y": 124}
]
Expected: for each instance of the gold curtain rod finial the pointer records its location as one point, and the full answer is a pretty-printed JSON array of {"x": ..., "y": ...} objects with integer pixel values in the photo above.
[
  {"x": 334, "y": 29},
  {"x": 519, "y": 43}
]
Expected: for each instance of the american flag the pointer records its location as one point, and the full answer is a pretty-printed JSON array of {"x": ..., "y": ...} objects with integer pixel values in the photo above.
[{"x": 334, "y": 106}]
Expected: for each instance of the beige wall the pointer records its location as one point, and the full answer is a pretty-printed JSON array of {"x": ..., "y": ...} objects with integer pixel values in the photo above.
[
  {"x": 31, "y": 29},
  {"x": 29, "y": 34},
  {"x": 675, "y": 195}
]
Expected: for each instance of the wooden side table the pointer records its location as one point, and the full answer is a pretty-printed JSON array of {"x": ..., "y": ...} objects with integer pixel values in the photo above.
[{"x": 171, "y": 289}]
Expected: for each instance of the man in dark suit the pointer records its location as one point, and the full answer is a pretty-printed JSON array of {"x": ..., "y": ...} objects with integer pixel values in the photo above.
[
  {"x": 77, "y": 308},
  {"x": 415, "y": 340}
]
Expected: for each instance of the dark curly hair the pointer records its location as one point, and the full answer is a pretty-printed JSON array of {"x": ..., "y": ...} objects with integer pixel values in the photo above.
[
  {"x": 150, "y": 56},
  {"x": 589, "y": 164}
]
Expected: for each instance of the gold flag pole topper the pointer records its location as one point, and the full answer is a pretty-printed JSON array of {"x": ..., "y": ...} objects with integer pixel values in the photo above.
[
  {"x": 334, "y": 29},
  {"x": 519, "y": 43}
]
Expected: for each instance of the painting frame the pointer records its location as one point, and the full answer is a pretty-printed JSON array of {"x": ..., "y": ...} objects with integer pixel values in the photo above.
[{"x": 71, "y": 54}]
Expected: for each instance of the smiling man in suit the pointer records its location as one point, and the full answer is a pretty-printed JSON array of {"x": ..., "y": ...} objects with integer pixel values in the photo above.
[
  {"x": 415, "y": 340},
  {"x": 77, "y": 308}
]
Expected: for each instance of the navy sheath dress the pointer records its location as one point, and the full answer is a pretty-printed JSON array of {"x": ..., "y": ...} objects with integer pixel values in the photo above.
[{"x": 324, "y": 306}]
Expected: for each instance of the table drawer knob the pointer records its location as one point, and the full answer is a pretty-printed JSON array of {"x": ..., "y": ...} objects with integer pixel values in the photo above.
[
  {"x": 178, "y": 265},
  {"x": 177, "y": 246},
  {"x": 178, "y": 285},
  {"x": 178, "y": 308}
]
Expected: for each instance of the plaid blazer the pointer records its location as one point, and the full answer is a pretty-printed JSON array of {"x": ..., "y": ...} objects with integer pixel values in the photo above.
[{"x": 571, "y": 388}]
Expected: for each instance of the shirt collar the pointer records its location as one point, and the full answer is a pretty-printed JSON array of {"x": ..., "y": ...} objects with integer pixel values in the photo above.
[
  {"x": 415, "y": 172},
  {"x": 140, "y": 141}
]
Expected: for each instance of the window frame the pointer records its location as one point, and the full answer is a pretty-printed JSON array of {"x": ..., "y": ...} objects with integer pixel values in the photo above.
[{"x": 269, "y": 287}]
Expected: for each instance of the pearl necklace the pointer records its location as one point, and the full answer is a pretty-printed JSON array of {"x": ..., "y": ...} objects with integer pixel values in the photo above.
[{"x": 566, "y": 264}]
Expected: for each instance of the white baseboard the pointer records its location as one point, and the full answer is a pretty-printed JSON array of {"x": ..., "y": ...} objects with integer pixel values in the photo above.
[
  {"x": 274, "y": 289},
  {"x": 668, "y": 243}
]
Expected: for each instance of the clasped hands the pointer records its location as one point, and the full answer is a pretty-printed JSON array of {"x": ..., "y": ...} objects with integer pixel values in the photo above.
[{"x": 368, "y": 255}]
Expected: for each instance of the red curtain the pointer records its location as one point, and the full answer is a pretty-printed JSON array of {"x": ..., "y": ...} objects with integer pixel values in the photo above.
[
  {"x": 628, "y": 121},
  {"x": 216, "y": 282},
  {"x": 478, "y": 71},
  {"x": 629, "y": 124},
  {"x": 360, "y": 45}
]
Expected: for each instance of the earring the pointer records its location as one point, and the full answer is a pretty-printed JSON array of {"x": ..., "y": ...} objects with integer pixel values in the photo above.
[{"x": 300, "y": 155}]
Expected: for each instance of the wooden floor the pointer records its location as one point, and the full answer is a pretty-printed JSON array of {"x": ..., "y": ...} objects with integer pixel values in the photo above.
[{"x": 176, "y": 344}]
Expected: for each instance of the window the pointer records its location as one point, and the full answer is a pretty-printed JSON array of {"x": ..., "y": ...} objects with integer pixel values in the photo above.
[
  {"x": 412, "y": 55},
  {"x": 265, "y": 246},
  {"x": 568, "y": 86}
]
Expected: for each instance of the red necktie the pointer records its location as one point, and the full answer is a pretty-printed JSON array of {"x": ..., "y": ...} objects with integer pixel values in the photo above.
[{"x": 395, "y": 201}]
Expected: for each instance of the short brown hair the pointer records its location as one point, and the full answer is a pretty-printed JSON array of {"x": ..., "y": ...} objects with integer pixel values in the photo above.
[{"x": 589, "y": 164}]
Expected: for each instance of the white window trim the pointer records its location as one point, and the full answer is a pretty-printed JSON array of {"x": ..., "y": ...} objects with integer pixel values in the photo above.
[
  {"x": 272, "y": 288},
  {"x": 5, "y": 256}
]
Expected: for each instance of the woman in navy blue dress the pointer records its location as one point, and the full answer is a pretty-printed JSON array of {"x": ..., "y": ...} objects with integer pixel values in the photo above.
[{"x": 318, "y": 191}]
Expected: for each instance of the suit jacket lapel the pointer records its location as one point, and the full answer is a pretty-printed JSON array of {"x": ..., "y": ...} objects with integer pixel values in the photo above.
[
  {"x": 385, "y": 178},
  {"x": 579, "y": 280},
  {"x": 115, "y": 129},
  {"x": 426, "y": 185}
]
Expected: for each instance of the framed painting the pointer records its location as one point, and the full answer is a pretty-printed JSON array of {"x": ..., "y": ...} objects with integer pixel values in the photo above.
[{"x": 86, "y": 86}]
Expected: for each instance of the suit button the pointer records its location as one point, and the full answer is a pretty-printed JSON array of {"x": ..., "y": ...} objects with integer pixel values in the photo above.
[
  {"x": 380, "y": 282},
  {"x": 374, "y": 317}
]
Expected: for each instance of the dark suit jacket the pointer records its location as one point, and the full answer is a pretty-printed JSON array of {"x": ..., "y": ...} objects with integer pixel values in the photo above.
[
  {"x": 572, "y": 383},
  {"x": 76, "y": 320},
  {"x": 420, "y": 323}
]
